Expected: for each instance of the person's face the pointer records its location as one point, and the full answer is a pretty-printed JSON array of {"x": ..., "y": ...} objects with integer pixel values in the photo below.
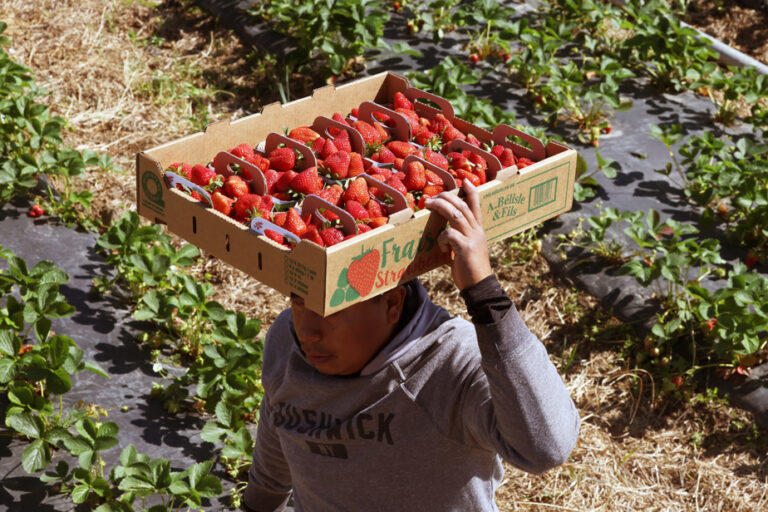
[{"x": 344, "y": 342}]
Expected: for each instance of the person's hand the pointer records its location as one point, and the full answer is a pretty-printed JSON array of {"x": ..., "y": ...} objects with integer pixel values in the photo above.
[{"x": 464, "y": 236}]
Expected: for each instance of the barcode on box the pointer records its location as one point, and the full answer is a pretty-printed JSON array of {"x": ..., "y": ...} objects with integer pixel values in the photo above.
[{"x": 542, "y": 194}]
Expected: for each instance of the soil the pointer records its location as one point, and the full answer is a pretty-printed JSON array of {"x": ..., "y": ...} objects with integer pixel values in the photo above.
[
  {"x": 129, "y": 75},
  {"x": 734, "y": 23}
]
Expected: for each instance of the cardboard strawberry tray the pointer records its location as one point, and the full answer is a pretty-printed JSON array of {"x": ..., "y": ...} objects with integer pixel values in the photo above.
[{"x": 332, "y": 210}]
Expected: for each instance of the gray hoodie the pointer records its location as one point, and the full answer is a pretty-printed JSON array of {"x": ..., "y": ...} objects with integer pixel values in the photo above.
[{"x": 424, "y": 426}]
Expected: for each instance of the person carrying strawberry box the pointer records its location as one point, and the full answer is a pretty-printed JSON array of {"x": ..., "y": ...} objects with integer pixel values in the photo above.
[{"x": 394, "y": 405}]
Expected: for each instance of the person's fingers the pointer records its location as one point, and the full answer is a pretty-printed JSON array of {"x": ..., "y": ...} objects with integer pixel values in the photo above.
[
  {"x": 455, "y": 211},
  {"x": 472, "y": 198}
]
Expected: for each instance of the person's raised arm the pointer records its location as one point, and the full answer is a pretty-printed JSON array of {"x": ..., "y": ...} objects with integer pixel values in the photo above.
[{"x": 530, "y": 419}]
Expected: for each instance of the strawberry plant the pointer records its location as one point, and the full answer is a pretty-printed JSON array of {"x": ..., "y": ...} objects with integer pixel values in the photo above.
[
  {"x": 142, "y": 256},
  {"x": 31, "y": 374},
  {"x": 436, "y": 17},
  {"x": 727, "y": 179},
  {"x": 330, "y": 36},
  {"x": 31, "y": 145},
  {"x": 661, "y": 47},
  {"x": 492, "y": 17}
]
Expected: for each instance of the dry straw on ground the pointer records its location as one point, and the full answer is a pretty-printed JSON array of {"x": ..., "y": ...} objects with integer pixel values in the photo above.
[{"x": 129, "y": 75}]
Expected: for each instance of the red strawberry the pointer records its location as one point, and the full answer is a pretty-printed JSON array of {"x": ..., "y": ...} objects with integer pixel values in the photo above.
[
  {"x": 244, "y": 151},
  {"x": 524, "y": 162},
  {"x": 278, "y": 218},
  {"x": 376, "y": 222},
  {"x": 401, "y": 101},
  {"x": 235, "y": 186},
  {"x": 752, "y": 259},
  {"x": 433, "y": 178},
  {"x": 478, "y": 161},
  {"x": 467, "y": 175},
  {"x": 284, "y": 181},
  {"x": 375, "y": 209},
  {"x": 383, "y": 133},
  {"x": 357, "y": 191},
  {"x": 474, "y": 140},
  {"x": 282, "y": 159},
  {"x": 275, "y": 236},
  {"x": 382, "y": 118},
  {"x": 247, "y": 207},
  {"x": 439, "y": 124},
  {"x": 36, "y": 210},
  {"x": 395, "y": 183},
  {"x": 505, "y": 155},
  {"x": 401, "y": 149},
  {"x": 294, "y": 223},
  {"x": 331, "y": 236},
  {"x": 256, "y": 159},
  {"x": 356, "y": 210},
  {"x": 318, "y": 144},
  {"x": 452, "y": 133},
  {"x": 356, "y": 165},
  {"x": 384, "y": 156},
  {"x": 432, "y": 190},
  {"x": 222, "y": 203},
  {"x": 337, "y": 165},
  {"x": 307, "y": 182},
  {"x": 415, "y": 176},
  {"x": 380, "y": 177},
  {"x": 271, "y": 176},
  {"x": 370, "y": 135},
  {"x": 202, "y": 175},
  {"x": 337, "y": 117},
  {"x": 342, "y": 141},
  {"x": 331, "y": 194},
  {"x": 329, "y": 148},
  {"x": 458, "y": 161},
  {"x": 181, "y": 169},
  {"x": 313, "y": 235},
  {"x": 410, "y": 116},
  {"x": 363, "y": 228},
  {"x": 436, "y": 159},
  {"x": 303, "y": 134},
  {"x": 425, "y": 137}
]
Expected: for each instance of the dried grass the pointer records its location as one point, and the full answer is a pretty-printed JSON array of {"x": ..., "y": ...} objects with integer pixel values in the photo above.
[{"x": 635, "y": 452}]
